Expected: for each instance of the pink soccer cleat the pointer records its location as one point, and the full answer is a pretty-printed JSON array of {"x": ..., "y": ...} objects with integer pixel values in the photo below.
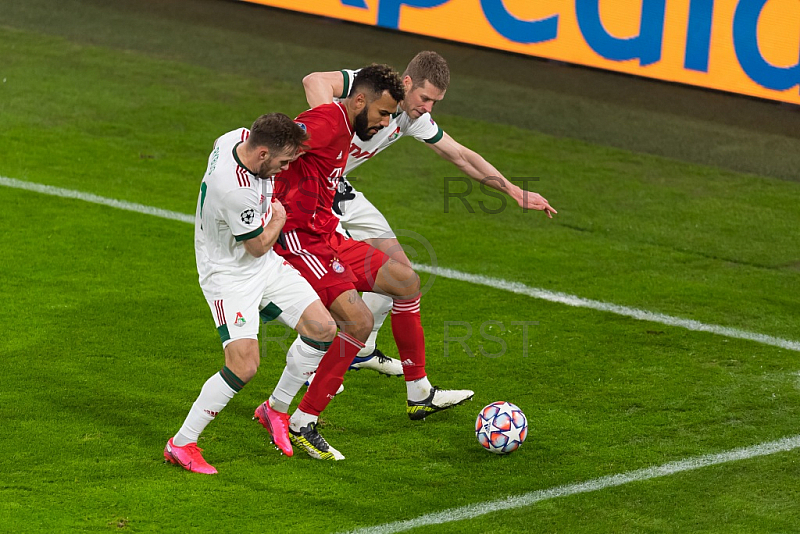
[
  {"x": 188, "y": 457},
  {"x": 277, "y": 423}
]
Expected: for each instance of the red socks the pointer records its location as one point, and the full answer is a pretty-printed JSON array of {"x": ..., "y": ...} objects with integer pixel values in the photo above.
[
  {"x": 330, "y": 373},
  {"x": 409, "y": 337}
]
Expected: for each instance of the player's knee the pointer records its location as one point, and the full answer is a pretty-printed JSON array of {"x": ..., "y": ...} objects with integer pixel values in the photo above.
[
  {"x": 409, "y": 288},
  {"x": 317, "y": 324},
  {"x": 323, "y": 329},
  {"x": 251, "y": 363},
  {"x": 327, "y": 331},
  {"x": 246, "y": 367},
  {"x": 243, "y": 363},
  {"x": 400, "y": 281},
  {"x": 250, "y": 370},
  {"x": 415, "y": 284}
]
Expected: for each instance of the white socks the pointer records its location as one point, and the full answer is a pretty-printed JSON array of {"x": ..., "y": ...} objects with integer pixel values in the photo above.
[
  {"x": 300, "y": 419},
  {"x": 380, "y": 306},
  {"x": 301, "y": 362},
  {"x": 212, "y": 399},
  {"x": 418, "y": 390}
]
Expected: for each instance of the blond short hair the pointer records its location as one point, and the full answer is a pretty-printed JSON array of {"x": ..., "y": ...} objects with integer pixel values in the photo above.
[{"x": 428, "y": 66}]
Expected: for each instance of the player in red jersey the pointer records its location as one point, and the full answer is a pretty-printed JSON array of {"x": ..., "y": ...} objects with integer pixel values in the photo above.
[{"x": 338, "y": 267}]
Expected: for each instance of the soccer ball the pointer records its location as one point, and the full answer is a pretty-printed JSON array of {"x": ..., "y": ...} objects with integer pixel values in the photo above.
[{"x": 501, "y": 427}]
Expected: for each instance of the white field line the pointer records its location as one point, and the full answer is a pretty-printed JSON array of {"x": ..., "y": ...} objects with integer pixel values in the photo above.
[
  {"x": 88, "y": 197},
  {"x": 527, "y": 499},
  {"x": 579, "y": 302},
  {"x": 475, "y": 510},
  {"x": 496, "y": 283}
]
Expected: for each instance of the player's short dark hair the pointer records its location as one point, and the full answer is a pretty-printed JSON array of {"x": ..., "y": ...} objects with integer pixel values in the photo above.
[
  {"x": 277, "y": 132},
  {"x": 375, "y": 79},
  {"x": 430, "y": 66}
]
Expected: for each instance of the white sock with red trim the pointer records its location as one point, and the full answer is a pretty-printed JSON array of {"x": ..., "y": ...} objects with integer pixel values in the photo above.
[
  {"x": 301, "y": 361},
  {"x": 212, "y": 399}
]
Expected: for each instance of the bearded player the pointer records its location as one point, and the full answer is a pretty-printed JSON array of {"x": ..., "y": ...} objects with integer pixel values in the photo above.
[
  {"x": 338, "y": 268},
  {"x": 425, "y": 81}
]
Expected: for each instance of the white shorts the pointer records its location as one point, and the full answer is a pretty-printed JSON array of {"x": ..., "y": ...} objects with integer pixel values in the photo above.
[
  {"x": 361, "y": 220},
  {"x": 279, "y": 292}
]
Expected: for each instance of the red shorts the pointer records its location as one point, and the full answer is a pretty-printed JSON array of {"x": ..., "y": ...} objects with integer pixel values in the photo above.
[{"x": 332, "y": 264}]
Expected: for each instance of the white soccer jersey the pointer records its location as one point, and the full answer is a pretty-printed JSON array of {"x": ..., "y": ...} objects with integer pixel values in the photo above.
[
  {"x": 423, "y": 129},
  {"x": 234, "y": 205}
]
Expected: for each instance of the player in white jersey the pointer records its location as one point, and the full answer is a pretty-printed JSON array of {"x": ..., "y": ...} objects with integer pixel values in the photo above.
[
  {"x": 426, "y": 80},
  {"x": 243, "y": 279}
]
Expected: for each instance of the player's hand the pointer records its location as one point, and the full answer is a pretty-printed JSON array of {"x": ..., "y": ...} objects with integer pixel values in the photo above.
[
  {"x": 344, "y": 193},
  {"x": 278, "y": 212},
  {"x": 535, "y": 201}
]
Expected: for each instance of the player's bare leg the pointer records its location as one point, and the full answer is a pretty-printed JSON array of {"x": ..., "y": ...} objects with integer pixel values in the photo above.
[{"x": 242, "y": 357}]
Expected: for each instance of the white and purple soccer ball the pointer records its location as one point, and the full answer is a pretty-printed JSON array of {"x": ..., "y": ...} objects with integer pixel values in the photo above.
[{"x": 501, "y": 427}]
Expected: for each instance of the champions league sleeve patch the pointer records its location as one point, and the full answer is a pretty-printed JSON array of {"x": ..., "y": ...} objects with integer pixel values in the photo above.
[
  {"x": 248, "y": 215},
  {"x": 302, "y": 126}
]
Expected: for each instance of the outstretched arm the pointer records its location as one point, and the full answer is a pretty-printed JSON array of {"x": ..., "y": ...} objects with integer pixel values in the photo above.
[
  {"x": 323, "y": 87},
  {"x": 473, "y": 165}
]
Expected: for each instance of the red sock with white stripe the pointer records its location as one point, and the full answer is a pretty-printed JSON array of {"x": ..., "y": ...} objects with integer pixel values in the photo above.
[
  {"x": 330, "y": 373},
  {"x": 409, "y": 337}
]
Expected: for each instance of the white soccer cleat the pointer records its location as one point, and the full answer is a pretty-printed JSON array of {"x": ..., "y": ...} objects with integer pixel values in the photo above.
[
  {"x": 438, "y": 400},
  {"x": 378, "y": 361},
  {"x": 310, "y": 440}
]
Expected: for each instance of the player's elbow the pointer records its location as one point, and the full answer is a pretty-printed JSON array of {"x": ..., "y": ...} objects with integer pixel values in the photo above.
[
  {"x": 310, "y": 80},
  {"x": 456, "y": 157},
  {"x": 462, "y": 165}
]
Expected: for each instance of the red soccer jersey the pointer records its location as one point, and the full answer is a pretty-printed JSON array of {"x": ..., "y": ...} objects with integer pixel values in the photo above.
[{"x": 307, "y": 187}]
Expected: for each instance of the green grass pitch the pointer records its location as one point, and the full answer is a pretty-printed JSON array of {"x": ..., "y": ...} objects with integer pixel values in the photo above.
[{"x": 108, "y": 339}]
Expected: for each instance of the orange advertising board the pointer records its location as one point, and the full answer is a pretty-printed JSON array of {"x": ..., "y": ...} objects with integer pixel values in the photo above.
[{"x": 750, "y": 47}]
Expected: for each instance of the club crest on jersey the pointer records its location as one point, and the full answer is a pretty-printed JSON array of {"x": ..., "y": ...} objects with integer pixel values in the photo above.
[
  {"x": 357, "y": 153},
  {"x": 396, "y": 133},
  {"x": 337, "y": 266},
  {"x": 248, "y": 215},
  {"x": 239, "y": 321}
]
